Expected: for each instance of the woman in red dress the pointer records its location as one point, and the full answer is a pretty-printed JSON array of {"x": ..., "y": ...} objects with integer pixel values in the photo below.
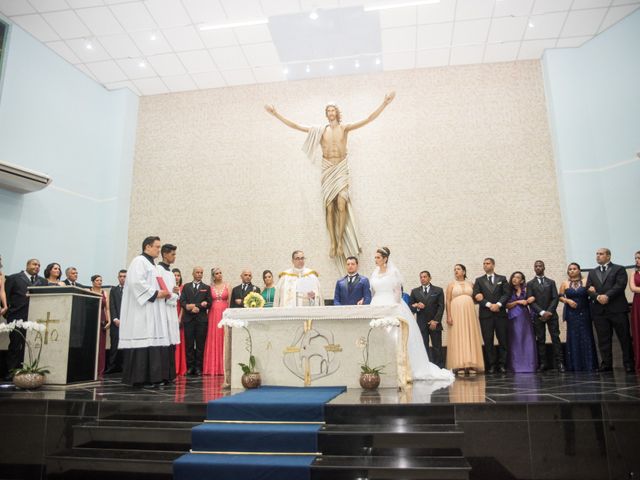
[
  {"x": 105, "y": 321},
  {"x": 634, "y": 285},
  {"x": 214, "y": 348},
  {"x": 181, "y": 354}
]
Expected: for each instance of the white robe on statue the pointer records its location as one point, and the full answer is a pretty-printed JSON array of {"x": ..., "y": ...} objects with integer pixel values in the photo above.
[
  {"x": 168, "y": 308},
  {"x": 292, "y": 288},
  {"x": 140, "y": 322}
]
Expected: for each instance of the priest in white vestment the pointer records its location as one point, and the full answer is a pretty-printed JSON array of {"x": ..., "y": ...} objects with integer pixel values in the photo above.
[
  {"x": 142, "y": 333},
  {"x": 298, "y": 286}
]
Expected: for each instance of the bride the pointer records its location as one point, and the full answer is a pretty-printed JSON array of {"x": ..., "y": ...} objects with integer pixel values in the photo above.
[{"x": 386, "y": 289}]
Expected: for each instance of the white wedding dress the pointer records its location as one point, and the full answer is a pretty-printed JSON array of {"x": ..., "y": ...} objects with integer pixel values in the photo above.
[{"x": 386, "y": 290}]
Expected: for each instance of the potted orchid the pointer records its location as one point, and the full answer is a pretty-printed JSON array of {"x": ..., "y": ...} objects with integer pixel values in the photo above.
[
  {"x": 250, "y": 378},
  {"x": 370, "y": 376},
  {"x": 31, "y": 375}
]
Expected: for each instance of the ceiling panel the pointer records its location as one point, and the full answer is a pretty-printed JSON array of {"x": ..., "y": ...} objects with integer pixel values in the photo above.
[
  {"x": 471, "y": 9},
  {"x": 548, "y": 25},
  {"x": 67, "y": 24},
  {"x": 471, "y": 31},
  {"x": 507, "y": 29},
  {"x": 107, "y": 71},
  {"x": 167, "y": 64},
  {"x": 435, "y": 57},
  {"x": 466, "y": 54},
  {"x": 16, "y": 7},
  {"x": 136, "y": 68},
  {"x": 501, "y": 52},
  {"x": 100, "y": 21},
  {"x": 179, "y": 83},
  {"x": 133, "y": 16},
  {"x": 242, "y": 76},
  {"x": 583, "y": 22},
  {"x": 435, "y": 35},
  {"x": 197, "y": 61},
  {"x": 36, "y": 26},
  {"x": 399, "y": 60},
  {"x": 168, "y": 13},
  {"x": 398, "y": 39},
  {"x": 183, "y": 38},
  {"x": 151, "y": 86},
  {"x": 228, "y": 58},
  {"x": 120, "y": 46}
]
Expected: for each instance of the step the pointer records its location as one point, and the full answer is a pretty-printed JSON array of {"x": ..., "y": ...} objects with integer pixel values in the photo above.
[
  {"x": 389, "y": 467},
  {"x": 148, "y": 434},
  {"x": 168, "y": 411},
  {"x": 113, "y": 460},
  {"x": 401, "y": 414},
  {"x": 421, "y": 440}
]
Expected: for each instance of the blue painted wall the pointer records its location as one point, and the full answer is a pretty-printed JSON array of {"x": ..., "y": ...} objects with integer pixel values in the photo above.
[
  {"x": 593, "y": 96},
  {"x": 55, "y": 120}
]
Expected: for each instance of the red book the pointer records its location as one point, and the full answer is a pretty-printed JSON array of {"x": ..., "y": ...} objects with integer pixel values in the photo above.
[{"x": 163, "y": 286}]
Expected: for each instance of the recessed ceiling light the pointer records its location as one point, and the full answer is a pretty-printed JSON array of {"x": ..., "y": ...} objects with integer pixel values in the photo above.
[
  {"x": 142, "y": 64},
  {"x": 531, "y": 25},
  {"x": 285, "y": 71},
  {"x": 372, "y": 8},
  {"x": 153, "y": 36},
  {"x": 377, "y": 61},
  {"x": 357, "y": 64},
  {"x": 88, "y": 45},
  {"x": 314, "y": 14},
  {"x": 307, "y": 69},
  {"x": 248, "y": 23},
  {"x": 331, "y": 66}
]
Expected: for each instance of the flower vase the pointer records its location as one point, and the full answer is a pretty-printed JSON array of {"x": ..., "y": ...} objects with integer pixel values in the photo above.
[
  {"x": 369, "y": 381},
  {"x": 28, "y": 381},
  {"x": 251, "y": 380}
]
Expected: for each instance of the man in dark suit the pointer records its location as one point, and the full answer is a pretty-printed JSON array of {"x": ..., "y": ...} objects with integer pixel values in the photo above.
[
  {"x": 544, "y": 308},
  {"x": 195, "y": 300},
  {"x": 609, "y": 309},
  {"x": 353, "y": 289},
  {"x": 16, "y": 288},
  {"x": 115, "y": 302},
  {"x": 491, "y": 291},
  {"x": 240, "y": 291},
  {"x": 427, "y": 302},
  {"x": 72, "y": 277}
]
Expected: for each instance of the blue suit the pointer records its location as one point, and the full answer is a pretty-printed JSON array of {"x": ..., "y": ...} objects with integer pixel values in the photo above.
[{"x": 345, "y": 295}]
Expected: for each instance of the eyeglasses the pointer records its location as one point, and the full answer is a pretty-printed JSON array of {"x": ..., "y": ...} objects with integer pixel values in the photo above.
[{"x": 298, "y": 258}]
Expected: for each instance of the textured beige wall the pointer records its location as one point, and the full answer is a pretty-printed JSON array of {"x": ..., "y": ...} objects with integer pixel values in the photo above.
[{"x": 459, "y": 167}]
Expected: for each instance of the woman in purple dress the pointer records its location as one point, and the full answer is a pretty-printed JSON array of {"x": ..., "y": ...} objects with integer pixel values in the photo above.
[
  {"x": 581, "y": 347},
  {"x": 521, "y": 357}
]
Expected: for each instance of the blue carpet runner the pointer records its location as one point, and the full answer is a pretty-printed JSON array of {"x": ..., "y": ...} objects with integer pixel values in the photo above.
[{"x": 269, "y": 433}]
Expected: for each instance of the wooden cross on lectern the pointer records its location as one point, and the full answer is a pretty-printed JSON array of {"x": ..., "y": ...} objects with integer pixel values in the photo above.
[{"x": 46, "y": 327}]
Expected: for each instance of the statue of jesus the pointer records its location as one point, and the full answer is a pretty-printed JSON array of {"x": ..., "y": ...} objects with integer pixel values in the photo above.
[{"x": 332, "y": 139}]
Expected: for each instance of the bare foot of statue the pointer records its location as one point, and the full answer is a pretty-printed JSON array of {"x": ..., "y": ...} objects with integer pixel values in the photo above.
[
  {"x": 332, "y": 251},
  {"x": 340, "y": 251}
]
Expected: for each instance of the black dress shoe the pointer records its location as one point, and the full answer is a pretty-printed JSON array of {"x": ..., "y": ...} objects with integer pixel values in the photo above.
[
  {"x": 491, "y": 370},
  {"x": 542, "y": 367},
  {"x": 198, "y": 373},
  {"x": 605, "y": 368},
  {"x": 629, "y": 369},
  {"x": 561, "y": 368},
  {"x": 191, "y": 372},
  {"x": 502, "y": 370}
]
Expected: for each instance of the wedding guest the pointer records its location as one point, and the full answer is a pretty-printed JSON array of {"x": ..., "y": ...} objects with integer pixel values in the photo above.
[
  {"x": 427, "y": 303},
  {"x": 16, "y": 289},
  {"x": 491, "y": 291},
  {"x": 181, "y": 355},
  {"x": 634, "y": 286},
  {"x": 169, "y": 321},
  {"x": 464, "y": 341},
  {"x": 581, "y": 347},
  {"x": 269, "y": 291},
  {"x": 105, "y": 321},
  {"x": 114, "y": 364},
  {"x": 544, "y": 310},
  {"x": 196, "y": 301},
  {"x": 522, "y": 340},
  {"x": 4, "y": 306},
  {"x": 240, "y": 291},
  {"x": 53, "y": 274},
  {"x": 353, "y": 288},
  {"x": 214, "y": 347},
  {"x": 606, "y": 285},
  {"x": 72, "y": 277}
]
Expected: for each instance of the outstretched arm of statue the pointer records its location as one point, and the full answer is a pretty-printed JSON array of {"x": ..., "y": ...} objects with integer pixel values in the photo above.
[
  {"x": 388, "y": 98},
  {"x": 272, "y": 110}
]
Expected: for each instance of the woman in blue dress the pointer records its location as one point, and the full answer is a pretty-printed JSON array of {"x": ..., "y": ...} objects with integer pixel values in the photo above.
[
  {"x": 521, "y": 356},
  {"x": 581, "y": 348}
]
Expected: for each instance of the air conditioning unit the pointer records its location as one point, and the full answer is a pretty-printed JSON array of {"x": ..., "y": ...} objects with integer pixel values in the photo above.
[{"x": 21, "y": 180}]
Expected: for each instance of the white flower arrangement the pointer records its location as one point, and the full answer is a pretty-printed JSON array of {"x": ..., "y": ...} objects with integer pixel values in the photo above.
[
  {"x": 227, "y": 322},
  {"x": 384, "y": 322},
  {"x": 32, "y": 366}
]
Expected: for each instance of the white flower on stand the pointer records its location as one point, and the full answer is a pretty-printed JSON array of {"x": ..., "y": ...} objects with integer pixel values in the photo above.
[
  {"x": 227, "y": 322},
  {"x": 10, "y": 327},
  {"x": 384, "y": 322}
]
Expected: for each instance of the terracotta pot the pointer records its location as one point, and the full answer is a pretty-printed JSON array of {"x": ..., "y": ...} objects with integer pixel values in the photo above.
[
  {"x": 369, "y": 381},
  {"x": 251, "y": 380},
  {"x": 28, "y": 381}
]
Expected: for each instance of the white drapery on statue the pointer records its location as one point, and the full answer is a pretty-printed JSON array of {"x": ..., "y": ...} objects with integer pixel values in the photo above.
[{"x": 335, "y": 181}]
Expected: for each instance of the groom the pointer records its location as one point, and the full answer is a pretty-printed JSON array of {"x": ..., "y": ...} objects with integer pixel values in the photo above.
[{"x": 353, "y": 288}]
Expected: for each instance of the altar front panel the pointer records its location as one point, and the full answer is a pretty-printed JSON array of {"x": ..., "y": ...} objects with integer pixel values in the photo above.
[{"x": 316, "y": 346}]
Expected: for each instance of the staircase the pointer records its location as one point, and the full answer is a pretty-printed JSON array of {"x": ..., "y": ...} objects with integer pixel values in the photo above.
[
  {"x": 132, "y": 443},
  {"x": 390, "y": 442}
]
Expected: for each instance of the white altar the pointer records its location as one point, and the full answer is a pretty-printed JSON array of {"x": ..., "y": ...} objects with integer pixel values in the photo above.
[{"x": 319, "y": 346}]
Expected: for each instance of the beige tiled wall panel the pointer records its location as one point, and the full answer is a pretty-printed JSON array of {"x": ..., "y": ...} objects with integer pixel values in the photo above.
[{"x": 459, "y": 167}]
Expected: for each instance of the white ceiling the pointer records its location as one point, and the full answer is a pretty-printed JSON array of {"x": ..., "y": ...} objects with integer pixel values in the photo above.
[{"x": 156, "y": 46}]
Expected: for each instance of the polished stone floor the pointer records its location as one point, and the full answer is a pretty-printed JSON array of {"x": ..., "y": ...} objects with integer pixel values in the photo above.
[{"x": 512, "y": 388}]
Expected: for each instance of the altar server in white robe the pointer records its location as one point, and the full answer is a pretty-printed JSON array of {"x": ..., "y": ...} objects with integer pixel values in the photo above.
[
  {"x": 168, "y": 309},
  {"x": 142, "y": 335},
  {"x": 298, "y": 286}
]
